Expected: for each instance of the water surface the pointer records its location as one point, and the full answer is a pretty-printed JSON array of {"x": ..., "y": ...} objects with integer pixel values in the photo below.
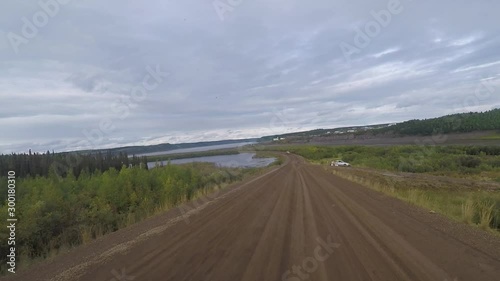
[
  {"x": 242, "y": 160},
  {"x": 197, "y": 149}
]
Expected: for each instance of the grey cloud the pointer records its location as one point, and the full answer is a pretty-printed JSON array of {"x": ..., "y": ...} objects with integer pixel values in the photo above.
[{"x": 234, "y": 77}]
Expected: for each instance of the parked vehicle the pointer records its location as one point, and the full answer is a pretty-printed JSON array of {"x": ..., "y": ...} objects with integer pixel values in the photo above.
[{"x": 340, "y": 163}]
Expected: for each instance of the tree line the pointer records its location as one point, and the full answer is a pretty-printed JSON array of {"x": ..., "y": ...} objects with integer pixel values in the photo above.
[
  {"x": 42, "y": 164},
  {"x": 455, "y": 123}
]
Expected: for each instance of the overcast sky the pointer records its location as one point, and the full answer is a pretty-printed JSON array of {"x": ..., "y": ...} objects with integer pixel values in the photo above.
[{"x": 236, "y": 68}]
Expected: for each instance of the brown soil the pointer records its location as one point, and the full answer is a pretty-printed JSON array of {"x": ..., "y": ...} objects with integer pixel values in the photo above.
[{"x": 297, "y": 222}]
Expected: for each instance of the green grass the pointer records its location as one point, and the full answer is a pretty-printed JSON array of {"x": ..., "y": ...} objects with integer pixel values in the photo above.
[
  {"x": 269, "y": 154},
  {"x": 476, "y": 207},
  {"x": 472, "y": 162},
  {"x": 495, "y": 136}
]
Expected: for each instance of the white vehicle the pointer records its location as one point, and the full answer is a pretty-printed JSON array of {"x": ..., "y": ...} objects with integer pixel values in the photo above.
[{"x": 340, "y": 163}]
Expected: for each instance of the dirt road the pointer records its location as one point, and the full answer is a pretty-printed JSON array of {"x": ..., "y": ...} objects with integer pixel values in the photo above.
[{"x": 298, "y": 222}]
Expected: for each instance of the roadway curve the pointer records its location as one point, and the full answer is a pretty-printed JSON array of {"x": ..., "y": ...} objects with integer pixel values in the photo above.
[{"x": 297, "y": 222}]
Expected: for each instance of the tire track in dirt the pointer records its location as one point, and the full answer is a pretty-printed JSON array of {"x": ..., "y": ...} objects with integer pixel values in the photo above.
[
  {"x": 384, "y": 253},
  {"x": 298, "y": 222}
]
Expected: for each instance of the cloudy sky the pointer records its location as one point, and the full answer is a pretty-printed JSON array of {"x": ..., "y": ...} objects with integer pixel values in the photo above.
[{"x": 89, "y": 74}]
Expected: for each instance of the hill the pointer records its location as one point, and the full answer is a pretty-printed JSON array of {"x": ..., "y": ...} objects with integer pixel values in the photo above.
[
  {"x": 455, "y": 123},
  {"x": 325, "y": 132},
  {"x": 135, "y": 150}
]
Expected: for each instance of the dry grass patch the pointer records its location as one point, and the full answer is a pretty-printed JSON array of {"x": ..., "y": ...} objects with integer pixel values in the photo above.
[{"x": 475, "y": 206}]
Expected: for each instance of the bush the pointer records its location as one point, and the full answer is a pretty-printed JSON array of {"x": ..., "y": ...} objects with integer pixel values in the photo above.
[
  {"x": 57, "y": 213},
  {"x": 469, "y": 161},
  {"x": 495, "y": 163},
  {"x": 443, "y": 160}
]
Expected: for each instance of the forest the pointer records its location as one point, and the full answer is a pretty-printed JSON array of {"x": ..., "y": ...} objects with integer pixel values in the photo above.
[
  {"x": 455, "y": 123},
  {"x": 41, "y": 164},
  {"x": 57, "y": 213}
]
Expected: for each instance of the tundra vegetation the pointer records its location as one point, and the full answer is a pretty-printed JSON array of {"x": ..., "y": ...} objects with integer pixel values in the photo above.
[{"x": 461, "y": 182}]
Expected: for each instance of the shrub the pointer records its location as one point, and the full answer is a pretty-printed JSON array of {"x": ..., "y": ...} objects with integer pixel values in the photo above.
[{"x": 469, "y": 161}]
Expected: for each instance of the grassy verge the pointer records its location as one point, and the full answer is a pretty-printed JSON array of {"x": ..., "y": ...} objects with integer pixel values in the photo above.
[
  {"x": 469, "y": 162},
  {"x": 269, "y": 154},
  {"x": 478, "y": 207}
]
